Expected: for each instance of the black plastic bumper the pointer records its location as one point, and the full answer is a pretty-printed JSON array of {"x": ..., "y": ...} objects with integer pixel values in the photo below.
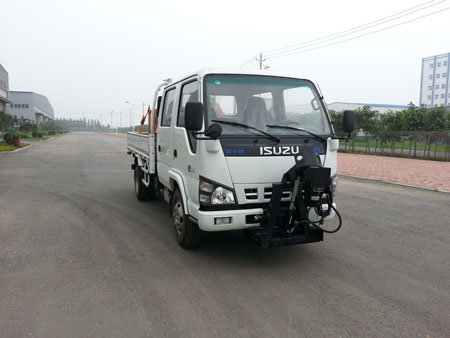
[{"x": 262, "y": 239}]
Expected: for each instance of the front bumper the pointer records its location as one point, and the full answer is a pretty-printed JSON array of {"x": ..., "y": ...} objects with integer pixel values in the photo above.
[{"x": 206, "y": 219}]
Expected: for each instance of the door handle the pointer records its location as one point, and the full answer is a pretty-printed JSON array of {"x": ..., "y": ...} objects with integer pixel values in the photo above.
[{"x": 175, "y": 153}]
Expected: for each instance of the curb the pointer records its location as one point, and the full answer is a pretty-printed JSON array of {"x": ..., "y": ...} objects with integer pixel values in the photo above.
[
  {"x": 395, "y": 183},
  {"x": 16, "y": 150},
  {"x": 30, "y": 140}
]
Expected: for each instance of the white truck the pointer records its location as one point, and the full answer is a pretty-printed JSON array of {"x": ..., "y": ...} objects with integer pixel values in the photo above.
[{"x": 230, "y": 149}]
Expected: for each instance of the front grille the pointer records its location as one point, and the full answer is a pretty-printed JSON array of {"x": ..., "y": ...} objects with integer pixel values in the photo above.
[
  {"x": 251, "y": 194},
  {"x": 268, "y": 193}
]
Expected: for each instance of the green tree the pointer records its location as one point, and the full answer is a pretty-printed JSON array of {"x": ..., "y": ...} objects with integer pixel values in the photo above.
[
  {"x": 437, "y": 119},
  {"x": 7, "y": 121},
  {"x": 28, "y": 126},
  {"x": 336, "y": 119},
  {"x": 365, "y": 119}
]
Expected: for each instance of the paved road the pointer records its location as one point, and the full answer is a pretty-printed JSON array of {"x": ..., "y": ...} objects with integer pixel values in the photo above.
[{"x": 81, "y": 257}]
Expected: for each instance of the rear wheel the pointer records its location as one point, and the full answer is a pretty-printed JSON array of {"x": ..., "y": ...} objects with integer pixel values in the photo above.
[
  {"x": 139, "y": 188},
  {"x": 186, "y": 231}
]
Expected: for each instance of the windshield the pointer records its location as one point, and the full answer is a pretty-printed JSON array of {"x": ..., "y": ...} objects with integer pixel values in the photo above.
[{"x": 259, "y": 101}]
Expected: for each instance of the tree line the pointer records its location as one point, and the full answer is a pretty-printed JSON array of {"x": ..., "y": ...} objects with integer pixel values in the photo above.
[
  {"x": 413, "y": 119},
  {"x": 413, "y": 132}
]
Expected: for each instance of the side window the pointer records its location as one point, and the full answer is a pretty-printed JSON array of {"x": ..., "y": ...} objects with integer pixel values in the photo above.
[
  {"x": 189, "y": 93},
  {"x": 167, "y": 108}
]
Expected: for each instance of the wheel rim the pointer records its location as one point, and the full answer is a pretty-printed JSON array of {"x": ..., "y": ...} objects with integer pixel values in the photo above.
[{"x": 178, "y": 217}]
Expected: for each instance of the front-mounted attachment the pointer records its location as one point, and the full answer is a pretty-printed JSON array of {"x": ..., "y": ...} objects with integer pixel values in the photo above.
[{"x": 289, "y": 222}]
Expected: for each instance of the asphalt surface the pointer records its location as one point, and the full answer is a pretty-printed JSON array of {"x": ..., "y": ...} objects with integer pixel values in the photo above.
[{"x": 81, "y": 257}]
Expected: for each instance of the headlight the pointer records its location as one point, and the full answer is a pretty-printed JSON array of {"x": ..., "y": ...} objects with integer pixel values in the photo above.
[
  {"x": 222, "y": 196},
  {"x": 334, "y": 181},
  {"x": 212, "y": 193}
]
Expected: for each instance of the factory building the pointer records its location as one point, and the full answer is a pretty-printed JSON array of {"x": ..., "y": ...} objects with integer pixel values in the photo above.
[
  {"x": 381, "y": 108},
  {"x": 434, "y": 84},
  {"x": 31, "y": 107},
  {"x": 4, "y": 90}
]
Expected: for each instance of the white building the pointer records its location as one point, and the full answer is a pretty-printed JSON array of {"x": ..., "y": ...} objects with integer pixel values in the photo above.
[
  {"x": 29, "y": 106},
  {"x": 4, "y": 89},
  {"x": 381, "y": 108},
  {"x": 434, "y": 85}
]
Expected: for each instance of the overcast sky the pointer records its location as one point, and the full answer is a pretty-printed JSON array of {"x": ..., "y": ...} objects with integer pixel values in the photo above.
[{"x": 89, "y": 57}]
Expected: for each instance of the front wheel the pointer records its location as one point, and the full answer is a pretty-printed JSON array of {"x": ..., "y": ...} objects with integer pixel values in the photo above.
[{"x": 186, "y": 231}]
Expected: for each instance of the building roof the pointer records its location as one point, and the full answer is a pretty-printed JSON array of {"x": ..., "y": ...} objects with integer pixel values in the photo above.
[
  {"x": 435, "y": 56},
  {"x": 4, "y": 69}
]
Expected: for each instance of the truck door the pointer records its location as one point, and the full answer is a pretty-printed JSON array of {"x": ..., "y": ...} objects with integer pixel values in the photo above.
[
  {"x": 185, "y": 144},
  {"x": 165, "y": 145}
]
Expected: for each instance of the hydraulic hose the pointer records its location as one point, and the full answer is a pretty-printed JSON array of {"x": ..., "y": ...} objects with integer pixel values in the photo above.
[{"x": 315, "y": 224}]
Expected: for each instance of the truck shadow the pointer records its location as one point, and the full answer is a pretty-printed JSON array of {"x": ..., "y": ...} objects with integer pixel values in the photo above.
[{"x": 232, "y": 247}]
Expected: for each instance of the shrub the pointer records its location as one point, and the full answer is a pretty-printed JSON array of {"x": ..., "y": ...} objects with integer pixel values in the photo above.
[
  {"x": 7, "y": 137},
  {"x": 37, "y": 134},
  {"x": 22, "y": 134}
]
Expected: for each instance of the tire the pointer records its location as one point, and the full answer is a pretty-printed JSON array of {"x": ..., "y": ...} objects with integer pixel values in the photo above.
[
  {"x": 139, "y": 188},
  {"x": 152, "y": 188},
  {"x": 186, "y": 231}
]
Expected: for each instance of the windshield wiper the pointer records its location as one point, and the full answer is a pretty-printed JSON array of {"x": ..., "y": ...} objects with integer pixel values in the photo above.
[
  {"x": 299, "y": 129},
  {"x": 237, "y": 124}
]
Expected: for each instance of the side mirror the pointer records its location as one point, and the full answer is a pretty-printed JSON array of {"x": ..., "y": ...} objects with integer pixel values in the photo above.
[
  {"x": 193, "y": 116},
  {"x": 213, "y": 131},
  {"x": 348, "y": 123}
]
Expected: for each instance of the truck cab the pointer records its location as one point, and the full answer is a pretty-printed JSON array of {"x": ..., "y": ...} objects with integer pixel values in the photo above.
[{"x": 242, "y": 150}]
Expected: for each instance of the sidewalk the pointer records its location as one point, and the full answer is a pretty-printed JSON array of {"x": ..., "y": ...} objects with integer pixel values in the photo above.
[{"x": 434, "y": 175}]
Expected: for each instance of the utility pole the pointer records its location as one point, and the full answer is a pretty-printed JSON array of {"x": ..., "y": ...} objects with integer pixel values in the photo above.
[
  {"x": 261, "y": 60},
  {"x": 111, "y": 118}
]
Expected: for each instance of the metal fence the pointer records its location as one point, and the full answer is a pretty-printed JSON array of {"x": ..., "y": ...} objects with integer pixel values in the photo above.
[{"x": 424, "y": 145}]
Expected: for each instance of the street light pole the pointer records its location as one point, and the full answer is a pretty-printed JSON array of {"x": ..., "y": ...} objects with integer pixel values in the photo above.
[{"x": 131, "y": 120}]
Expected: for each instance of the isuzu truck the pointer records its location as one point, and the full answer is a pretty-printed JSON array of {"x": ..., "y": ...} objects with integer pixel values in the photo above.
[{"x": 241, "y": 150}]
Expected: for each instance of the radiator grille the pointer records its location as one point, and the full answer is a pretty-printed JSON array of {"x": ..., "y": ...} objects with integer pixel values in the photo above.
[{"x": 252, "y": 194}]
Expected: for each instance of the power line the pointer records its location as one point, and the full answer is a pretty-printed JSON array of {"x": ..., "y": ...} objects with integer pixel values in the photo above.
[
  {"x": 351, "y": 30},
  {"x": 247, "y": 62},
  {"x": 359, "y": 36}
]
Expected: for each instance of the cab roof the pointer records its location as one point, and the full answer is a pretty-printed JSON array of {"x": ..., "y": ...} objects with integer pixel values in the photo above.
[{"x": 238, "y": 71}]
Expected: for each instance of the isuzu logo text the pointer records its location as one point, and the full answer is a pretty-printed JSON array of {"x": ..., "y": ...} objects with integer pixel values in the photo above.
[{"x": 284, "y": 150}]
